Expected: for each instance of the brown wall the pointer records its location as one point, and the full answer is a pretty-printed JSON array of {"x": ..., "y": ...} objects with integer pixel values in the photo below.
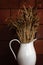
[{"x": 14, "y": 5}]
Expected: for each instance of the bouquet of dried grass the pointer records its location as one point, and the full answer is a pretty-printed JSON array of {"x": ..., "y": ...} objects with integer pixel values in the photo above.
[{"x": 26, "y": 24}]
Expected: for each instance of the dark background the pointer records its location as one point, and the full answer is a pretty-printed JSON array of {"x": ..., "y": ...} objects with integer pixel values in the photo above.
[{"x": 10, "y": 8}]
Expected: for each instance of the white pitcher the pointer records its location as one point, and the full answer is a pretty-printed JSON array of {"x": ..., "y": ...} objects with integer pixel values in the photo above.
[{"x": 26, "y": 54}]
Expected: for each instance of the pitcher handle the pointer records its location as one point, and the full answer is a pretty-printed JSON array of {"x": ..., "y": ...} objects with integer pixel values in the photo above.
[{"x": 11, "y": 47}]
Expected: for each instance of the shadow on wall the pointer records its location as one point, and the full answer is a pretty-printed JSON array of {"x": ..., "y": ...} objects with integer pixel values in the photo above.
[{"x": 6, "y": 56}]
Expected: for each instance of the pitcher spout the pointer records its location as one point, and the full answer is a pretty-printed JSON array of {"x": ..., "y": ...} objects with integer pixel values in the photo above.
[{"x": 34, "y": 40}]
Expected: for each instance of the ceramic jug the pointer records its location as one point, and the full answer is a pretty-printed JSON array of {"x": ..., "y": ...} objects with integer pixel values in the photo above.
[{"x": 26, "y": 54}]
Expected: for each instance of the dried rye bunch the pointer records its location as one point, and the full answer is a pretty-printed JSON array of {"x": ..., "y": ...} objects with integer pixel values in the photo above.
[{"x": 26, "y": 24}]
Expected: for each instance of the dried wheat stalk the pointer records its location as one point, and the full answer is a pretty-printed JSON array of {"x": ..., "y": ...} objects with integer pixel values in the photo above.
[{"x": 26, "y": 24}]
